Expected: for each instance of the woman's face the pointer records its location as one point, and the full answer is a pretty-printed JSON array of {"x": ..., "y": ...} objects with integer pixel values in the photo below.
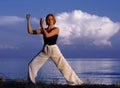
[{"x": 50, "y": 20}]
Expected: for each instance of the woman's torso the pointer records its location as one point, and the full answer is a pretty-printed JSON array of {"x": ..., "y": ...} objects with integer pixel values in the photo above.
[{"x": 50, "y": 40}]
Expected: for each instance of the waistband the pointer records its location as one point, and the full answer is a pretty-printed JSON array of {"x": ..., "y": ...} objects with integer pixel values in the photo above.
[{"x": 50, "y": 44}]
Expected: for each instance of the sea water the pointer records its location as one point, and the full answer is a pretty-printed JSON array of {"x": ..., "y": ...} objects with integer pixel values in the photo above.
[{"x": 90, "y": 70}]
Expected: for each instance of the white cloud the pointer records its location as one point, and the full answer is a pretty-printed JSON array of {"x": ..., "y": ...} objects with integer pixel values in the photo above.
[
  {"x": 81, "y": 27},
  {"x": 35, "y": 20},
  {"x": 8, "y": 20},
  {"x": 76, "y": 27},
  {"x": 6, "y": 46}
]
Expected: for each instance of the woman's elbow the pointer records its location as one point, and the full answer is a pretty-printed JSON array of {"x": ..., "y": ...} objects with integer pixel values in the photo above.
[
  {"x": 29, "y": 32},
  {"x": 47, "y": 36}
]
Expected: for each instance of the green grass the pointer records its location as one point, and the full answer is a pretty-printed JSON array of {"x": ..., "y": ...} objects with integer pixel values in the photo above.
[{"x": 17, "y": 84}]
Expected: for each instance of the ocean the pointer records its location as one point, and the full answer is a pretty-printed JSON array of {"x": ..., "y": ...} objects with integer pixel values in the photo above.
[{"x": 90, "y": 70}]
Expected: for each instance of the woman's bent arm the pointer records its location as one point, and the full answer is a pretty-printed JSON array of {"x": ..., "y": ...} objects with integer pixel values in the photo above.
[{"x": 30, "y": 31}]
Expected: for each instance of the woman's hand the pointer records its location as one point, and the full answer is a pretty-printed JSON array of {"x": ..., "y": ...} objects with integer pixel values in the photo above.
[
  {"x": 42, "y": 23},
  {"x": 27, "y": 16}
]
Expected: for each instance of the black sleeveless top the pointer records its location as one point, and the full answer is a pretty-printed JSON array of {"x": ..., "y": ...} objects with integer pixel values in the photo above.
[{"x": 51, "y": 40}]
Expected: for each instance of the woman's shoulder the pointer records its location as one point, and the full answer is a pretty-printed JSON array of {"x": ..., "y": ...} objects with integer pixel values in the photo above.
[{"x": 56, "y": 28}]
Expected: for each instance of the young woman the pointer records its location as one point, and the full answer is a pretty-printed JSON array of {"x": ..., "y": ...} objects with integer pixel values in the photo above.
[{"x": 50, "y": 50}]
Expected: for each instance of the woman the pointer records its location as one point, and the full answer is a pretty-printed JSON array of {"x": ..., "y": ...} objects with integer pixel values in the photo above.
[{"x": 50, "y": 50}]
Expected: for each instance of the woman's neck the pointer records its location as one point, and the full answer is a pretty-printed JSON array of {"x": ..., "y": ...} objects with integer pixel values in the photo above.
[{"x": 50, "y": 27}]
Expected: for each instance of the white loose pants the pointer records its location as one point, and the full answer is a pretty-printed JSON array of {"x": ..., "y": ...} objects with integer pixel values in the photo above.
[{"x": 53, "y": 52}]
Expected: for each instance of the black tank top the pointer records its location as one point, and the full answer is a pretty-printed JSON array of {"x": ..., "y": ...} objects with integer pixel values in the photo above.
[{"x": 51, "y": 40}]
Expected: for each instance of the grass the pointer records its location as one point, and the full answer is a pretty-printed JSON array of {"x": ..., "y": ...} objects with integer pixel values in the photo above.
[
  {"x": 22, "y": 83},
  {"x": 18, "y": 84}
]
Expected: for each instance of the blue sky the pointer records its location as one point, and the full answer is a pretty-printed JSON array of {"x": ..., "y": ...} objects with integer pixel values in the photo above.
[{"x": 89, "y": 28}]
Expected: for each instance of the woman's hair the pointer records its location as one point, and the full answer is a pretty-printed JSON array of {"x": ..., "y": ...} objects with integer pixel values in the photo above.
[{"x": 50, "y": 14}]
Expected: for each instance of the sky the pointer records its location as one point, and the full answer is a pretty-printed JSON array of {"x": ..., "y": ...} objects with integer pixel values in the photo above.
[{"x": 88, "y": 28}]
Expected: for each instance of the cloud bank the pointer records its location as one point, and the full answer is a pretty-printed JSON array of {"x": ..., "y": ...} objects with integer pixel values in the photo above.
[
  {"x": 10, "y": 20},
  {"x": 83, "y": 28},
  {"x": 76, "y": 27},
  {"x": 6, "y": 46}
]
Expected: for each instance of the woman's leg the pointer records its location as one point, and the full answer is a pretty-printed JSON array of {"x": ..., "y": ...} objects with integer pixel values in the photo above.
[
  {"x": 65, "y": 68},
  {"x": 36, "y": 64}
]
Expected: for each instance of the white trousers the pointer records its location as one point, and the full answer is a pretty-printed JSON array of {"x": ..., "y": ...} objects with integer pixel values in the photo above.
[{"x": 53, "y": 52}]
